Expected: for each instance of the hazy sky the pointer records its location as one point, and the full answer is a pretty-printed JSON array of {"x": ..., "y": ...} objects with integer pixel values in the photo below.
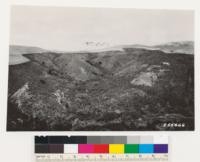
[{"x": 65, "y": 28}]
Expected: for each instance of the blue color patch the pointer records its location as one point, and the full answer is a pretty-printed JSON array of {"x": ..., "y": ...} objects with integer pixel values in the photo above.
[{"x": 146, "y": 148}]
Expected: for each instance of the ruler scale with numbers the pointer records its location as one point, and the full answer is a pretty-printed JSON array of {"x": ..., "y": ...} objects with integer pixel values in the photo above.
[{"x": 101, "y": 148}]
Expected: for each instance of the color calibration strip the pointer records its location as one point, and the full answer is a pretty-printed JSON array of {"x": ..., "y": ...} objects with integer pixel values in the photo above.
[{"x": 101, "y": 147}]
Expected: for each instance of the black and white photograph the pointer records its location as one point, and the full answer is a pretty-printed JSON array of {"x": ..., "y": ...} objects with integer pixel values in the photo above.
[{"x": 100, "y": 69}]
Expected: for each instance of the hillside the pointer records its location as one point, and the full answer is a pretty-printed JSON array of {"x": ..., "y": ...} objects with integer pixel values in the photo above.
[{"x": 133, "y": 89}]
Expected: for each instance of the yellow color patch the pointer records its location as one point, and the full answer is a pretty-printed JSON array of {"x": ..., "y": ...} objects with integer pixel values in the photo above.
[{"x": 116, "y": 148}]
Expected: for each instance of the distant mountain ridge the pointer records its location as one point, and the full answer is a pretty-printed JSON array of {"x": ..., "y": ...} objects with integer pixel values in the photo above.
[
  {"x": 16, "y": 53},
  {"x": 19, "y": 49},
  {"x": 177, "y": 47},
  {"x": 186, "y": 47}
]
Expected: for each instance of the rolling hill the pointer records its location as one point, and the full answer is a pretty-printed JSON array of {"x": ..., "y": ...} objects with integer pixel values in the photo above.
[
  {"x": 16, "y": 53},
  {"x": 18, "y": 49}
]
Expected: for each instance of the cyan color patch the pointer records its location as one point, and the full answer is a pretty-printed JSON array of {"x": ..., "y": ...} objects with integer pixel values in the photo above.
[{"x": 146, "y": 148}]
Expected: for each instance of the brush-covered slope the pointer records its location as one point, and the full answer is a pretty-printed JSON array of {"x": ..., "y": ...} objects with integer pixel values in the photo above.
[{"x": 133, "y": 89}]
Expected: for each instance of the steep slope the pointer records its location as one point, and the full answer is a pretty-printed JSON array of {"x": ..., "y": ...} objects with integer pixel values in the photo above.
[{"x": 75, "y": 65}]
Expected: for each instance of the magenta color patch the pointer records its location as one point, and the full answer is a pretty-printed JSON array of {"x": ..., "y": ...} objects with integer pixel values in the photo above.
[{"x": 85, "y": 148}]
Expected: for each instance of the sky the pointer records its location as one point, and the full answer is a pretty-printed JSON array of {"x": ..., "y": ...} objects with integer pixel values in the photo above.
[{"x": 75, "y": 29}]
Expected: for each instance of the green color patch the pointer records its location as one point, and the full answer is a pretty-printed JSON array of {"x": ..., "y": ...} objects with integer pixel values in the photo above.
[{"x": 131, "y": 148}]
